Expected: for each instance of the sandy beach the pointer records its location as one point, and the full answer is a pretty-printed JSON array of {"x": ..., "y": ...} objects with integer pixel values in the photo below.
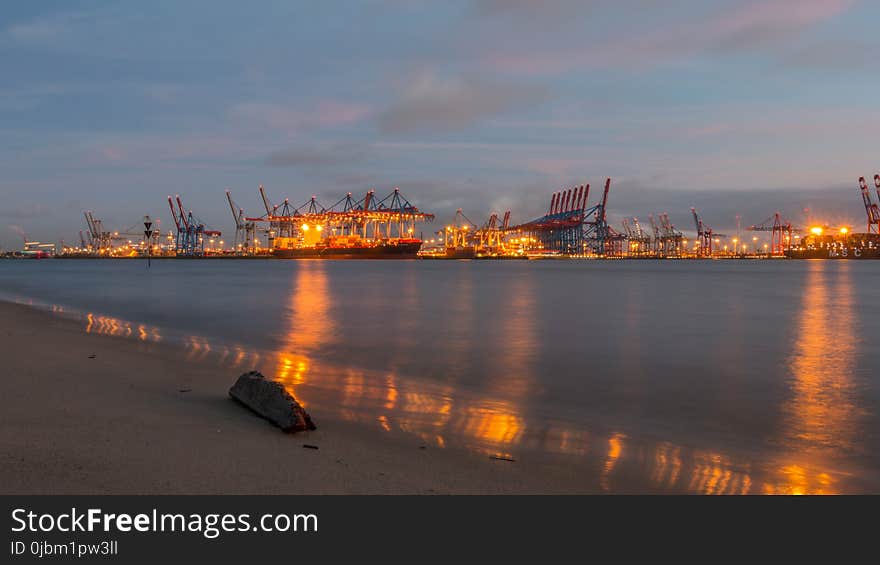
[{"x": 118, "y": 423}]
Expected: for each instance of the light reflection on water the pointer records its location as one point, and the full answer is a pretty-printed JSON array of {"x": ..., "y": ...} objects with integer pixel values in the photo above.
[{"x": 820, "y": 415}]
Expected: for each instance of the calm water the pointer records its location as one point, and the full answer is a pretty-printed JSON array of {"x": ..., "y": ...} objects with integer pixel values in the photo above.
[{"x": 717, "y": 377}]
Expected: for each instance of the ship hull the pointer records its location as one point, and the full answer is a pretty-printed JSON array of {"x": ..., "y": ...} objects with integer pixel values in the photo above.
[
  {"x": 845, "y": 253},
  {"x": 383, "y": 251}
]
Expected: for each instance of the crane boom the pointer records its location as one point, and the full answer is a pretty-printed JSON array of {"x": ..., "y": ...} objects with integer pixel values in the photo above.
[
  {"x": 173, "y": 213},
  {"x": 877, "y": 185},
  {"x": 183, "y": 217},
  {"x": 654, "y": 228},
  {"x": 605, "y": 199},
  {"x": 266, "y": 203},
  {"x": 236, "y": 217}
]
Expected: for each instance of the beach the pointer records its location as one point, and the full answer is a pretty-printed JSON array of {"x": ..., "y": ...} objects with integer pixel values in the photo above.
[
  {"x": 427, "y": 377},
  {"x": 119, "y": 423}
]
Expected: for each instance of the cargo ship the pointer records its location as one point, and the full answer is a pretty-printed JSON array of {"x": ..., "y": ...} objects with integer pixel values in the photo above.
[
  {"x": 347, "y": 247},
  {"x": 834, "y": 253},
  {"x": 843, "y": 245}
]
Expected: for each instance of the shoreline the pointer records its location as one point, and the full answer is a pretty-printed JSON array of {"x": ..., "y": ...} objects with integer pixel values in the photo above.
[
  {"x": 152, "y": 415},
  {"x": 119, "y": 423}
]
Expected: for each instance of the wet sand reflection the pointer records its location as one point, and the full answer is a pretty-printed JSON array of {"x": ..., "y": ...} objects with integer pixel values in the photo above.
[{"x": 820, "y": 416}]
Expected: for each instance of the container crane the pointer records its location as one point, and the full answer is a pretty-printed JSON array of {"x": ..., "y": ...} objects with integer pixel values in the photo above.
[
  {"x": 605, "y": 240},
  {"x": 704, "y": 235},
  {"x": 655, "y": 233},
  {"x": 191, "y": 233},
  {"x": 243, "y": 244},
  {"x": 492, "y": 233},
  {"x": 99, "y": 238},
  {"x": 780, "y": 232},
  {"x": 871, "y": 209},
  {"x": 671, "y": 240}
]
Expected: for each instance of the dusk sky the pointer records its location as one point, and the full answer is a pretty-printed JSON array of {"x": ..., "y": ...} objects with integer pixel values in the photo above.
[{"x": 733, "y": 106}]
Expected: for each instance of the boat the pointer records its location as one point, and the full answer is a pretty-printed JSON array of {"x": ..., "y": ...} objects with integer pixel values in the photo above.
[
  {"x": 461, "y": 252},
  {"x": 834, "y": 253},
  {"x": 348, "y": 247},
  {"x": 844, "y": 245}
]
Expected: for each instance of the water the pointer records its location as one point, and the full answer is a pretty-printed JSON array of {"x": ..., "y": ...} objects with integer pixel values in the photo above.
[{"x": 721, "y": 377}]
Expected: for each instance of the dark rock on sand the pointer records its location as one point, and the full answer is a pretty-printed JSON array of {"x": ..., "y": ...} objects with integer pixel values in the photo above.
[{"x": 271, "y": 400}]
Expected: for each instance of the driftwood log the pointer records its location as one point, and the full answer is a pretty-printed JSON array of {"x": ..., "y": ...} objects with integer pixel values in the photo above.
[{"x": 271, "y": 400}]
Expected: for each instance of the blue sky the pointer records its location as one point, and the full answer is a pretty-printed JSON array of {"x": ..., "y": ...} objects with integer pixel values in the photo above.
[{"x": 737, "y": 107}]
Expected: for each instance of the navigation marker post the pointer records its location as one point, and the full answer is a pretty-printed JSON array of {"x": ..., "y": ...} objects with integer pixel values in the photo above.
[{"x": 148, "y": 236}]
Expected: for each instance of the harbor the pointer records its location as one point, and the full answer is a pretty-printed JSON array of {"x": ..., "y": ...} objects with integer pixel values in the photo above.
[{"x": 391, "y": 227}]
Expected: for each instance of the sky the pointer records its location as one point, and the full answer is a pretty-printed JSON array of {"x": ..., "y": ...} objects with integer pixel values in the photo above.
[{"x": 738, "y": 107}]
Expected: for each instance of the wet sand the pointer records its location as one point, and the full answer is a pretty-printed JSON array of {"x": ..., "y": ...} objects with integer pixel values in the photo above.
[{"x": 118, "y": 423}]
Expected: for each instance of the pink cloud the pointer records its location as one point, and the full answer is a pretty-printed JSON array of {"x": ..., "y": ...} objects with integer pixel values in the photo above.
[
  {"x": 143, "y": 150},
  {"x": 757, "y": 23}
]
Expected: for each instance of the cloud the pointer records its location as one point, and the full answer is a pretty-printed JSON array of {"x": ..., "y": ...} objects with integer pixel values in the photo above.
[
  {"x": 838, "y": 55},
  {"x": 294, "y": 117},
  {"x": 432, "y": 103},
  {"x": 530, "y": 9},
  {"x": 766, "y": 21},
  {"x": 44, "y": 29},
  {"x": 756, "y": 25},
  {"x": 319, "y": 157}
]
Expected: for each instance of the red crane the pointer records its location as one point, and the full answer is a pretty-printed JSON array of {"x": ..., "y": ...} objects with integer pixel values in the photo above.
[
  {"x": 780, "y": 232},
  {"x": 871, "y": 209},
  {"x": 704, "y": 234}
]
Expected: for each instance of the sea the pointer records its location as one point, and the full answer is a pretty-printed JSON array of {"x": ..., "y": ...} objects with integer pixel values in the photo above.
[{"x": 716, "y": 377}]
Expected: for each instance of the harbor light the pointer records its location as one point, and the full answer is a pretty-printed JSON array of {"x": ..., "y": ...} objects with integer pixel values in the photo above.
[
  {"x": 816, "y": 230},
  {"x": 844, "y": 231}
]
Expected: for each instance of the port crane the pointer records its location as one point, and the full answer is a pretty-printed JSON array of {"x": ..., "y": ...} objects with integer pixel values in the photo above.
[
  {"x": 570, "y": 226},
  {"x": 639, "y": 240},
  {"x": 460, "y": 232},
  {"x": 604, "y": 239},
  {"x": 871, "y": 209},
  {"x": 191, "y": 233},
  {"x": 655, "y": 233},
  {"x": 243, "y": 243},
  {"x": 491, "y": 235},
  {"x": 100, "y": 240},
  {"x": 780, "y": 232},
  {"x": 672, "y": 238},
  {"x": 705, "y": 235}
]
